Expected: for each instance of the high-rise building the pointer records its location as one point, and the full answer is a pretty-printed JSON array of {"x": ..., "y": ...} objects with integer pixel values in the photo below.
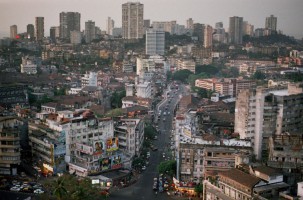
[
  {"x": 69, "y": 21},
  {"x": 39, "y": 28},
  {"x": 13, "y": 31},
  {"x": 219, "y": 25},
  {"x": 132, "y": 20},
  {"x": 248, "y": 29},
  {"x": 90, "y": 31},
  {"x": 190, "y": 24},
  {"x": 208, "y": 36},
  {"x": 264, "y": 112},
  {"x": 155, "y": 42},
  {"x": 110, "y": 24},
  {"x": 236, "y": 29},
  {"x": 271, "y": 23},
  {"x": 199, "y": 31},
  {"x": 30, "y": 30},
  {"x": 146, "y": 23},
  {"x": 54, "y": 33},
  {"x": 75, "y": 37}
]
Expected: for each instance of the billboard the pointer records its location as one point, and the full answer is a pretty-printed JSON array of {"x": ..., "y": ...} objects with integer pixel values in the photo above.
[
  {"x": 116, "y": 162},
  {"x": 105, "y": 163},
  {"x": 84, "y": 148},
  {"x": 112, "y": 144},
  {"x": 98, "y": 148}
]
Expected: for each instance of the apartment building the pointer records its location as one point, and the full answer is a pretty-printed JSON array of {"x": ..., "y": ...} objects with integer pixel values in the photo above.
[
  {"x": 186, "y": 64},
  {"x": 132, "y": 20},
  {"x": 130, "y": 133},
  {"x": 10, "y": 157},
  {"x": 263, "y": 112},
  {"x": 225, "y": 86}
]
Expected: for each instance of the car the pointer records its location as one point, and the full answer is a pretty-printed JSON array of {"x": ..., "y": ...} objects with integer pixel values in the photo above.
[
  {"x": 156, "y": 137},
  {"x": 164, "y": 119},
  {"x": 154, "y": 148},
  {"x": 168, "y": 113},
  {"x": 163, "y": 155},
  {"x": 38, "y": 191},
  {"x": 148, "y": 153},
  {"x": 15, "y": 189},
  {"x": 143, "y": 168}
]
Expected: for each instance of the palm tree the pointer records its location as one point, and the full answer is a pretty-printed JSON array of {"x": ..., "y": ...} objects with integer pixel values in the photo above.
[{"x": 60, "y": 191}]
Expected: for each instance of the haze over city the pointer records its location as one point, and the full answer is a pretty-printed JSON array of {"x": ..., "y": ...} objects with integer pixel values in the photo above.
[{"x": 23, "y": 12}]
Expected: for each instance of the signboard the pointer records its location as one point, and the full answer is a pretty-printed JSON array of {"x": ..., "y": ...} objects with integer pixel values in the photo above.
[
  {"x": 84, "y": 148},
  {"x": 116, "y": 162},
  {"x": 187, "y": 132},
  {"x": 105, "y": 164},
  {"x": 95, "y": 181},
  {"x": 112, "y": 144},
  {"x": 98, "y": 148}
]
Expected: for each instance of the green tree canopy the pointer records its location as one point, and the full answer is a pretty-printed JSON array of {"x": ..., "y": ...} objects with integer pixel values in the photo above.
[
  {"x": 199, "y": 189},
  {"x": 114, "y": 112},
  {"x": 207, "y": 69},
  {"x": 182, "y": 75},
  {"x": 116, "y": 98},
  {"x": 258, "y": 75},
  {"x": 168, "y": 167}
]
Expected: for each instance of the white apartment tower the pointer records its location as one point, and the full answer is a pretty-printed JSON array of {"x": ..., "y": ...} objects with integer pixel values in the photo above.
[
  {"x": 132, "y": 20},
  {"x": 155, "y": 42},
  {"x": 110, "y": 24},
  {"x": 264, "y": 112},
  {"x": 271, "y": 23}
]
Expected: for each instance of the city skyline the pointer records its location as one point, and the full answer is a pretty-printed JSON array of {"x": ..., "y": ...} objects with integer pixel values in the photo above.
[{"x": 207, "y": 12}]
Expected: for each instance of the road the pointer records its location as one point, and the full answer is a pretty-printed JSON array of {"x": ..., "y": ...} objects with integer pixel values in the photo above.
[{"x": 142, "y": 189}]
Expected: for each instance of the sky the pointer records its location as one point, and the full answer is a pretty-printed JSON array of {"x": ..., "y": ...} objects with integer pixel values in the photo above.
[{"x": 23, "y": 12}]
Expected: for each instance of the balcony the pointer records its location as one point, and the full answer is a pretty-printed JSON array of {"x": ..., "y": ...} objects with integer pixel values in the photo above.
[
  {"x": 10, "y": 154},
  {"x": 9, "y": 138}
]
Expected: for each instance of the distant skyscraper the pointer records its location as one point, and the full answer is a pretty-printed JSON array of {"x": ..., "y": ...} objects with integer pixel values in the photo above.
[
  {"x": 190, "y": 24},
  {"x": 90, "y": 33},
  {"x": 199, "y": 31},
  {"x": 69, "y": 21},
  {"x": 110, "y": 24},
  {"x": 236, "y": 29},
  {"x": 30, "y": 30},
  {"x": 75, "y": 37},
  {"x": 132, "y": 20},
  {"x": 39, "y": 28},
  {"x": 155, "y": 42},
  {"x": 13, "y": 31},
  {"x": 208, "y": 36},
  {"x": 248, "y": 29},
  {"x": 54, "y": 33},
  {"x": 219, "y": 25},
  {"x": 271, "y": 23},
  {"x": 146, "y": 23}
]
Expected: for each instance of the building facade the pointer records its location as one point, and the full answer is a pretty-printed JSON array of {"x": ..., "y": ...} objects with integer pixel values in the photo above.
[
  {"x": 155, "y": 42},
  {"x": 39, "y": 28},
  {"x": 30, "y": 30},
  {"x": 110, "y": 25},
  {"x": 132, "y": 20},
  {"x": 236, "y": 30},
  {"x": 90, "y": 33},
  {"x": 208, "y": 36},
  {"x": 69, "y": 21},
  {"x": 13, "y": 31},
  {"x": 271, "y": 23}
]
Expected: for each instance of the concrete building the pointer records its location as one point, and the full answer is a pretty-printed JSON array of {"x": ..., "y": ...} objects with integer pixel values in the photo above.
[
  {"x": 143, "y": 90},
  {"x": 236, "y": 30},
  {"x": 39, "y": 34},
  {"x": 30, "y": 30},
  {"x": 28, "y": 66},
  {"x": 54, "y": 33},
  {"x": 198, "y": 31},
  {"x": 166, "y": 26},
  {"x": 130, "y": 133},
  {"x": 90, "y": 33},
  {"x": 271, "y": 23},
  {"x": 13, "y": 31},
  {"x": 132, "y": 20},
  {"x": 75, "y": 37},
  {"x": 262, "y": 112},
  {"x": 190, "y": 24},
  {"x": 186, "y": 64},
  {"x": 110, "y": 25},
  {"x": 208, "y": 36},
  {"x": 89, "y": 79},
  {"x": 69, "y": 21},
  {"x": 155, "y": 42},
  {"x": 10, "y": 156},
  {"x": 248, "y": 29}
]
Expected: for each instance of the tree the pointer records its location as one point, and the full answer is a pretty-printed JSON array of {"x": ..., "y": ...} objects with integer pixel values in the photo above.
[
  {"x": 169, "y": 167},
  {"x": 199, "y": 189},
  {"x": 60, "y": 191},
  {"x": 116, "y": 98},
  {"x": 114, "y": 112},
  {"x": 207, "y": 69},
  {"x": 182, "y": 75},
  {"x": 149, "y": 131},
  {"x": 259, "y": 75}
]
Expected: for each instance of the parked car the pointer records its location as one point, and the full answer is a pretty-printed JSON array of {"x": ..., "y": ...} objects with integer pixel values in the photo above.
[{"x": 38, "y": 191}]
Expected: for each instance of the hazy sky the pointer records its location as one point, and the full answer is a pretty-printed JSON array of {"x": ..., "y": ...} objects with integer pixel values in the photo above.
[{"x": 23, "y": 12}]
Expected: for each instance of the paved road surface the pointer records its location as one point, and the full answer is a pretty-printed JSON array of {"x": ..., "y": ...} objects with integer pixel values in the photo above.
[{"x": 142, "y": 189}]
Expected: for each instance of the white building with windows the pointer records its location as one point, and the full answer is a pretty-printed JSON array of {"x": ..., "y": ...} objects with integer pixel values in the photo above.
[
  {"x": 89, "y": 79},
  {"x": 155, "y": 42},
  {"x": 144, "y": 90}
]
